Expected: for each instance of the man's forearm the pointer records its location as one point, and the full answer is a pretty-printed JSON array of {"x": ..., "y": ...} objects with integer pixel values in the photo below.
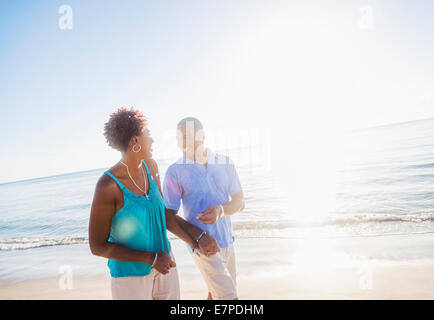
[
  {"x": 182, "y": 229},
  {"x": 235, "y": 205},
  {"x": 193, "y": 231},
  {"x": 207, "y": 244}
]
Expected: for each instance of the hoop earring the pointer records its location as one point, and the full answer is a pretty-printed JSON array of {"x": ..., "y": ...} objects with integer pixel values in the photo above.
[{"x": 137, "y": 150}]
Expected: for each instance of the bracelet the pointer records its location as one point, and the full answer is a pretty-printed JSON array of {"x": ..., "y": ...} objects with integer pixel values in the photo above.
[
  {"x": 155, "y": 259},
  {"x": 200, "y": 237}
]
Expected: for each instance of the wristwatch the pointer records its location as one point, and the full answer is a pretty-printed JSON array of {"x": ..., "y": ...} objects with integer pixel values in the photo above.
[{"x": 200, "y": 237}]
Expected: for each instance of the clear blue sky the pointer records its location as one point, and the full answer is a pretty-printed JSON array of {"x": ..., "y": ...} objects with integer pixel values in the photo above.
[{"x": 278, "y": 64}]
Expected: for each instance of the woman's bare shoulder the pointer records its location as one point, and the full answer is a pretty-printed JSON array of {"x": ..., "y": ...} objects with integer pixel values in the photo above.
[
  {"x": 105, "y": 184},
  {"x": 152, "y": 164}
]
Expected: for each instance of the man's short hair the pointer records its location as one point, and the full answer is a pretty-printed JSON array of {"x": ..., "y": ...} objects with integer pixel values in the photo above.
[{"x": 197, "y": 124}]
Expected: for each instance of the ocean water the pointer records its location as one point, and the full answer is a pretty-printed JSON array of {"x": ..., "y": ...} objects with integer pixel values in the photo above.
[{"x": 374, "y": 183}]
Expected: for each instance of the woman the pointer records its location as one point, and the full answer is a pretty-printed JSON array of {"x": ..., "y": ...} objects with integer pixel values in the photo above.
[{"x": 127, "y": 222}]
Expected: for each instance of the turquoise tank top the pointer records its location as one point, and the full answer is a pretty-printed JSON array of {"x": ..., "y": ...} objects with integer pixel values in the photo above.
[{"x": 141, "y": 225}]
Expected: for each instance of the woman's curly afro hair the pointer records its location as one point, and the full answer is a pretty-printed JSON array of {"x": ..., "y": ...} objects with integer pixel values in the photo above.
[{"x": 123, "y": 124}]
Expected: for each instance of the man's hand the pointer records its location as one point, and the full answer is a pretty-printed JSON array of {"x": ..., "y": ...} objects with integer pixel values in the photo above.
[
  {"x": 164, "y": 262},
  {"x": 208, "y": 245},
  {"x": 210, "y": 215}
]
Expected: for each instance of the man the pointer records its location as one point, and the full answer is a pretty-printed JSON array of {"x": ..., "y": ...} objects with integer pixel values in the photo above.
[{"x": 210, "y": 191}]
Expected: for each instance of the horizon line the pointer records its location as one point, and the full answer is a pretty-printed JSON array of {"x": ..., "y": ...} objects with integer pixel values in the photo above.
[{"x": 94, "y": 169}]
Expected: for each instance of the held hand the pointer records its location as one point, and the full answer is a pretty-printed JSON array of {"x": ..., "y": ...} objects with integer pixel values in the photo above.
[
  {"x": 208, "y": 245},
  {"x": 164, "y": 262},
  {"x": 210, "y": 215}
]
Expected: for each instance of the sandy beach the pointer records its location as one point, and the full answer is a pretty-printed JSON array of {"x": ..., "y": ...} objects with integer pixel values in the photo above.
[{"x": 264, "y": 273}]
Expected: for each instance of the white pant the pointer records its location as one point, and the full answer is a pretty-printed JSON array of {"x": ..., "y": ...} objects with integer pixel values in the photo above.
[
  {"x": 219, "y": 272},
  {"x": 154, "y": 286}
]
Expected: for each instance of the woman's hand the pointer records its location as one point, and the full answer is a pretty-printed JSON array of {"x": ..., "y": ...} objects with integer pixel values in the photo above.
[{"x": 164, "y": 262}]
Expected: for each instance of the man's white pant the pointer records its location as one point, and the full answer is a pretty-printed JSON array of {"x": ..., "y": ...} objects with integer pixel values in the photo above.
[
  {"x": 219, "y": 272},
  {"x": 155, "y": 286}
]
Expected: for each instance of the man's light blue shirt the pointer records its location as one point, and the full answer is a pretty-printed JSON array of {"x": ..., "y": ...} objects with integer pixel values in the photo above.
[{"x": 199, "y": 187}]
